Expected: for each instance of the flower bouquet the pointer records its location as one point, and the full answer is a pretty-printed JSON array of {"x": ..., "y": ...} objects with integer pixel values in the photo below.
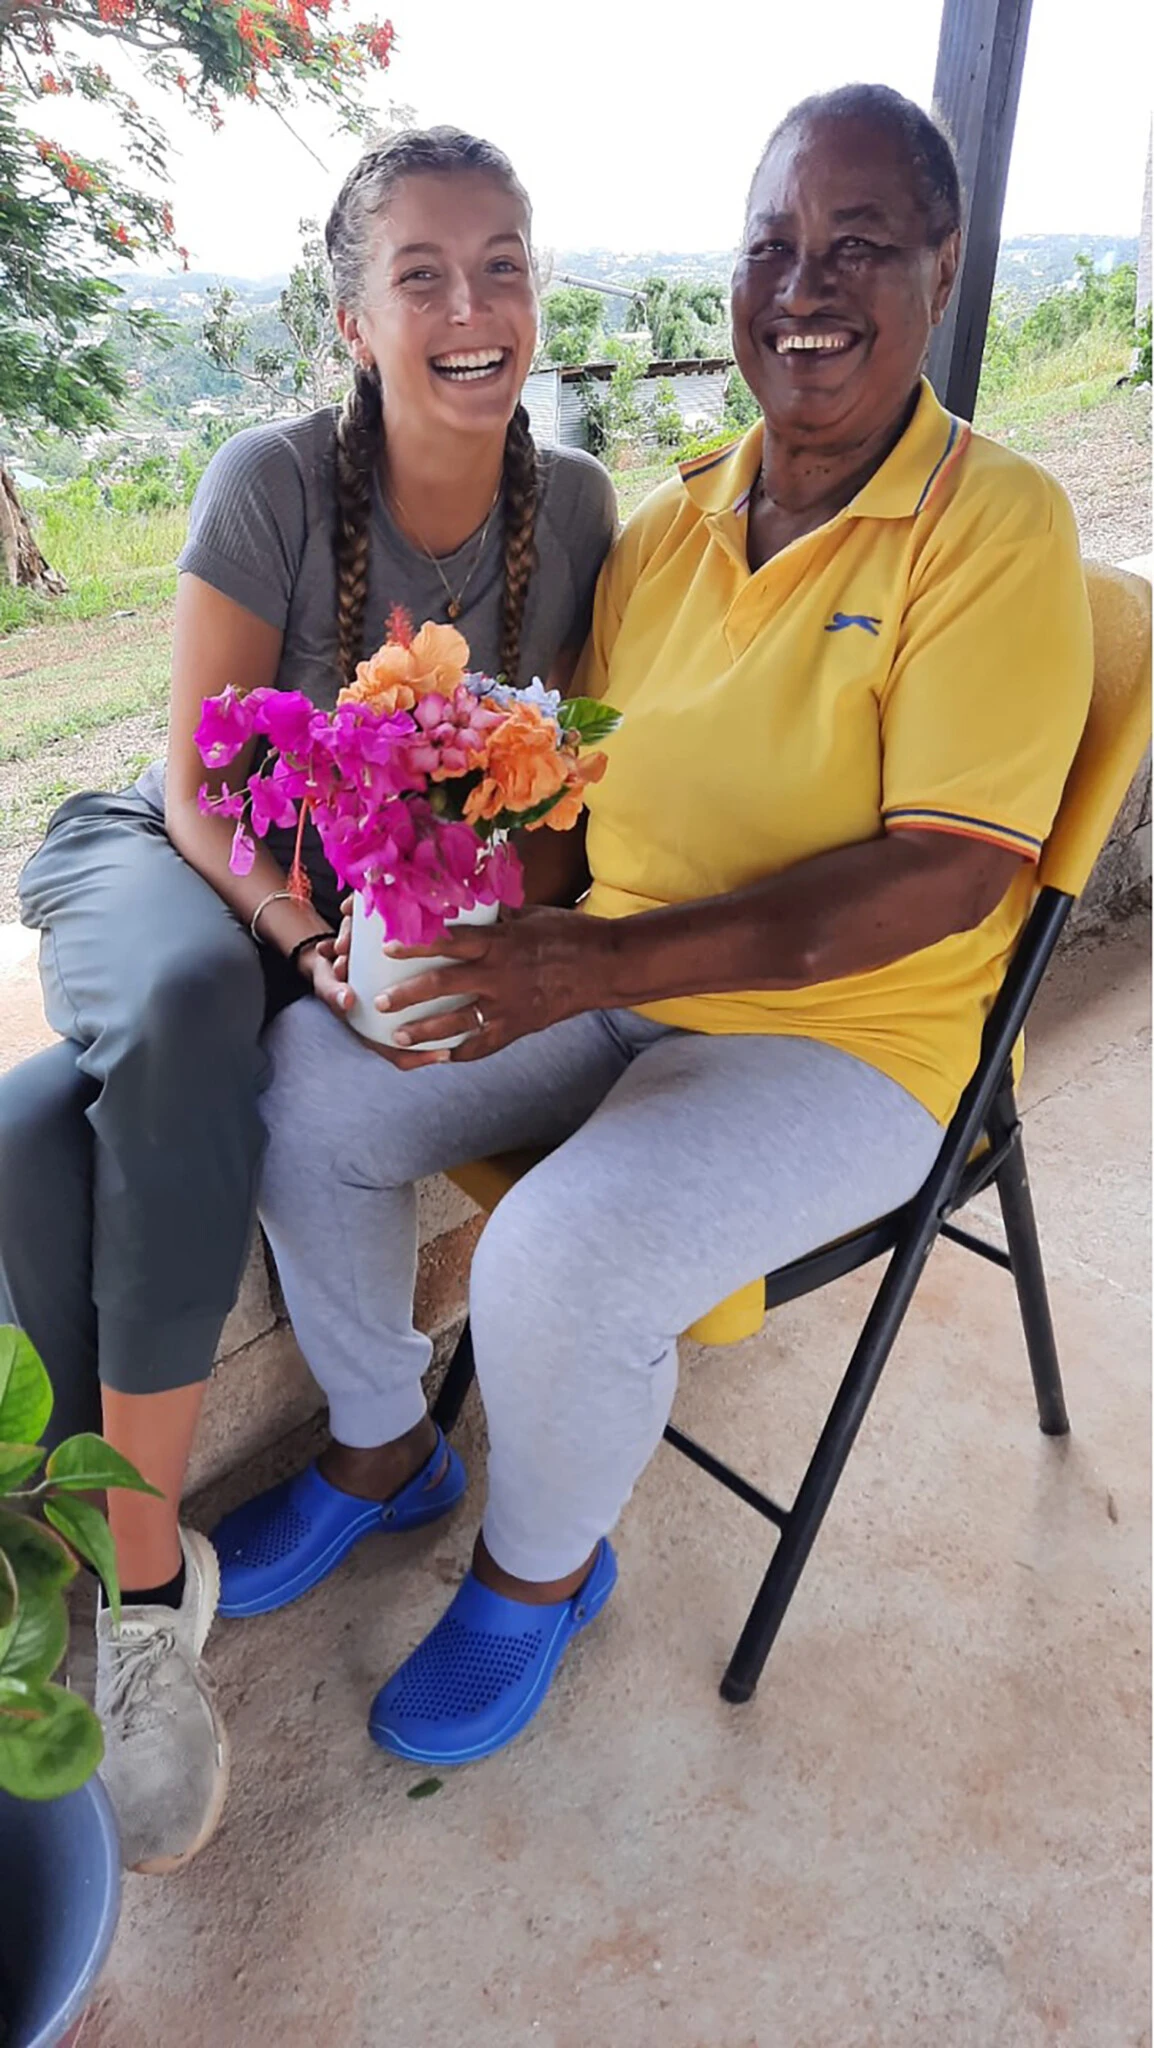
[{"x": 414, "y": 783}]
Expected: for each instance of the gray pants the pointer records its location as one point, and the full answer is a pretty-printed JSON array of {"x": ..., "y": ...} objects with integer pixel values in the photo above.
[
  {"x": 129, "y": 1154},
  {"x": 684, "y": 1166}
]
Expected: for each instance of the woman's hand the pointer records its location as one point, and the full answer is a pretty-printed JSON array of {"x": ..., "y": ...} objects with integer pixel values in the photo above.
[
  {"x": 520, "y": 975},
  {"x": 326, "y": 972}
]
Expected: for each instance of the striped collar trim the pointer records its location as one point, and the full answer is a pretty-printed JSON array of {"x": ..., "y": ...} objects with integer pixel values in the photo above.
[
  {"x": 912, "y": 474},
  {"x": 722, "y": 480},
  {"x": 910, "y": 477}
]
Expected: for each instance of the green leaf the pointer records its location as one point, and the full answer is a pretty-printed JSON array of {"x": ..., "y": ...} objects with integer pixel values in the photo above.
[
  {"x": 86, "y": 1529},
  {"x": 50, "y": 1741},
  {"x": 591, "y": 721},
  {"x": 425, "y": 1789},
  {"x": 41, "y": 1562},
  {"x": 17, "y": 1463},
  {"x": 25, "y": 1390},
  {"x": 519, "y": 821},
  {"x": 85, "y": 1463},
  {"x": 38, "y": 1642},
  {"x": 9, "y": 1603}
]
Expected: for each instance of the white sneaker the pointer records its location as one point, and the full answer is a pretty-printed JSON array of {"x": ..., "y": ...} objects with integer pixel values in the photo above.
[{"x": 165, "y": 1750}]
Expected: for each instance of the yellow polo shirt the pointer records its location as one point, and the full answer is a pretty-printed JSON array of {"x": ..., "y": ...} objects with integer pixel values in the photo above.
[{"x": 924, "y": 659}]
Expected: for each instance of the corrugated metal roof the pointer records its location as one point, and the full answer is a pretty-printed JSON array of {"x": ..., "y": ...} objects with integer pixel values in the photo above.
[{"x": 688, "y": 366}]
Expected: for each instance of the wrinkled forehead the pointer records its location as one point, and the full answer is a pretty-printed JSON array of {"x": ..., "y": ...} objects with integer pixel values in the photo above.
[{"x": 835, "y": 168}]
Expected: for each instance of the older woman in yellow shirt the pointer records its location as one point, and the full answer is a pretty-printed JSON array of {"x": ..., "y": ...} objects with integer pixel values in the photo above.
[{"x": 853, "y": 655}]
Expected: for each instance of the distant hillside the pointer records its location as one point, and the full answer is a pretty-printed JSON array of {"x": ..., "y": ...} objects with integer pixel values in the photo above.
[
  {"x": 1029, "y": 266},
  {"x": 165, "y": 382}
]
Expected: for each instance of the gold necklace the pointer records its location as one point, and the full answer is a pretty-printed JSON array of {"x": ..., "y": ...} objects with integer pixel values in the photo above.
[{"x": 453, "y": 599}]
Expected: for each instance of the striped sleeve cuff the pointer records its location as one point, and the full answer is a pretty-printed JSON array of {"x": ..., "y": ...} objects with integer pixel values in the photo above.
[{"x": 918, "y": 818}]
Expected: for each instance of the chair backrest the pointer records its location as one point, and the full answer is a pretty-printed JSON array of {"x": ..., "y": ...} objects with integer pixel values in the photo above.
[{"x": 1117, "y": 729}]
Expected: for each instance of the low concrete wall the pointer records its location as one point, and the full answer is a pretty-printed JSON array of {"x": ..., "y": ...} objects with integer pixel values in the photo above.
[{"x": 261, "y": 1388}]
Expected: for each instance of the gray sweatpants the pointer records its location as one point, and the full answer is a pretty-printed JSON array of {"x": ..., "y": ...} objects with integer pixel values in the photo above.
[
  {"x": 129, "y": 1153},
  {"x": 684, "y": 1166}
]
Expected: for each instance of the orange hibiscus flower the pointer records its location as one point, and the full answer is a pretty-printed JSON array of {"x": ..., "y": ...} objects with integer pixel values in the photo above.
[
  {"x": 569, "y": 807},
  {"x": 395, "y": 676},
  {"x": 522, "y": 767}
]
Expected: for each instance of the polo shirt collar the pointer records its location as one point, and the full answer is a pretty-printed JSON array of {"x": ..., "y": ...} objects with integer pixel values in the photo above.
[{"x": 721, "y": 481}]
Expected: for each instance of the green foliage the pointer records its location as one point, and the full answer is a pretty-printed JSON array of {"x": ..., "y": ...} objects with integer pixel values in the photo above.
[
  {"x": 665, "y": 421},
  {"x": 310, "y": 365},
  {"x": 591, "y": 720},
  {"x": 50, "y": 1740},
  {"x": 683, "y": 319},
  {"x": 741, "y": 407},
  {"x": 1095, "y": 307},
  {"x": 613, "y": 414},
  {"x": 64, "y": 215},
  {"x": 570, "y": 325}
]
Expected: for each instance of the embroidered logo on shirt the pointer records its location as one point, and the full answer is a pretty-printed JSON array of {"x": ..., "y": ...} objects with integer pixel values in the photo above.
[{"x": 841, "y": 620}]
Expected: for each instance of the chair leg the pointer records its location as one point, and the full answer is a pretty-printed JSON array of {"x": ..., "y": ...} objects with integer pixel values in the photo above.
[
  {"x": 827, "y": 1465},
  {"x": 456, "y": 1383},
  {"x": 1033, "y": 1299}
]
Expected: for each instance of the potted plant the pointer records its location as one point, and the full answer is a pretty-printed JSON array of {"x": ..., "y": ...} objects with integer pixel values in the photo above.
[{"x": 59, "y": 1854}]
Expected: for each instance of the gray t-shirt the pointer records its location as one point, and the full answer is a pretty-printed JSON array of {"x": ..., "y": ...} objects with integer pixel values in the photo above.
[{"x": 261, "y": 531}]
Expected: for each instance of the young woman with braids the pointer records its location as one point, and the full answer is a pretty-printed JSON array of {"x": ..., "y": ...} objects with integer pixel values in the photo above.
[{"x": 129, "y": 1152}]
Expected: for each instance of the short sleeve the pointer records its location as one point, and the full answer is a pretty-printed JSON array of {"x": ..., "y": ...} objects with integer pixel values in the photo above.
[
  {"x": 989, "y": 691},
  {"x": 247, "y": 526}
]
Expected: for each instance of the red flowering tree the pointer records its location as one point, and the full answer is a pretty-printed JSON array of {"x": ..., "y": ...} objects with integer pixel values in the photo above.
[{"x": 64, "y": 215}]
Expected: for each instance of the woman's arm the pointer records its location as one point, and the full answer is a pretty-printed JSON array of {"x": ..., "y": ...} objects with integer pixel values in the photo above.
[
  {"x": 842, "y": 913},
  {"x": 847, "y": 912},
  {"x": 217, "y": 642}
]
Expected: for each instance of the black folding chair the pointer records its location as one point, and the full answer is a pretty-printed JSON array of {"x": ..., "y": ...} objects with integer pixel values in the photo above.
[{"x": 982, "y": 1147}]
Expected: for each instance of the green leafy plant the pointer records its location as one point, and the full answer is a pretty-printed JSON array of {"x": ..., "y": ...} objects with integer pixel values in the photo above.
[
  {"x": 50, "y": 1740},
  {"x": 310, "y": 367}
]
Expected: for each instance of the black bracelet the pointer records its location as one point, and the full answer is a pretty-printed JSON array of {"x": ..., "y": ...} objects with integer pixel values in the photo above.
[{"x": 302, "y": 945}]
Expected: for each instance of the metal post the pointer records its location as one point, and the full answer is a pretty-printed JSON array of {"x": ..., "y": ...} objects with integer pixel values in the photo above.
[{"x": 981, "y": 51}]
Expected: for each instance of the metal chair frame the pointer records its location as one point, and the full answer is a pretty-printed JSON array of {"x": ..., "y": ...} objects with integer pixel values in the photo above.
[{"x": 908, "y": 1235}]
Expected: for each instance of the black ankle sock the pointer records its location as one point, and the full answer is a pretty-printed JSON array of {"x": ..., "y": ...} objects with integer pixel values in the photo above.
[{"x": 169, "y": 1595}]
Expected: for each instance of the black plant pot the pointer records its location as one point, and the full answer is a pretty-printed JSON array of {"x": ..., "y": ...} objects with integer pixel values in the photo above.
[{"x": 59, "y": 1901}]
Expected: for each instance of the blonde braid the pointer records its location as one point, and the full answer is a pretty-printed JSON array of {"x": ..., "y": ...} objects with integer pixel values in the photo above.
[
  {"x": 360, "y": 440},
  {"x": 521, "y": 488}
]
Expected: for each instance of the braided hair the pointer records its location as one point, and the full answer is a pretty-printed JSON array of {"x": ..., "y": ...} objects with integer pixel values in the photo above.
[
  {"x": 925, "y": 141},
  {"x": 349, "y": 236}
]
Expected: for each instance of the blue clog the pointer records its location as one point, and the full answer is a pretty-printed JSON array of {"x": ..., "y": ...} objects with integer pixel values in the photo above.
[
  {"x": 481, "y": 1674},
  {"x": 287, "y": 1540}
]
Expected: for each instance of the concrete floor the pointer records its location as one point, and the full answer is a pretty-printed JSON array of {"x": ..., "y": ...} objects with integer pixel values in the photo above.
[{"x": 931, "y": 1825}]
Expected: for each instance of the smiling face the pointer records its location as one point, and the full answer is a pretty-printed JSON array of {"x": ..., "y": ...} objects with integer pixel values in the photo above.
[
  {"x": 447, "y": 308},
  {"x": 836, "y": 288}
]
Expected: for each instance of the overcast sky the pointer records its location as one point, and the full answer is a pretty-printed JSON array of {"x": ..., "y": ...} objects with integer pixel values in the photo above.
[{"x": 635, "y": 125}]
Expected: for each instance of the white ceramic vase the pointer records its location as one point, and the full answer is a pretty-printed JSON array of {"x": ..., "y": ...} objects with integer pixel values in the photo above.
[{"x": 372, "y": 971}]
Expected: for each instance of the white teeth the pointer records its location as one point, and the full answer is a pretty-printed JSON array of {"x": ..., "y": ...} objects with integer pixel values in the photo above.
[
  {"x": 478, "y": 364},
  {"x": 831, "y": 342}
]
